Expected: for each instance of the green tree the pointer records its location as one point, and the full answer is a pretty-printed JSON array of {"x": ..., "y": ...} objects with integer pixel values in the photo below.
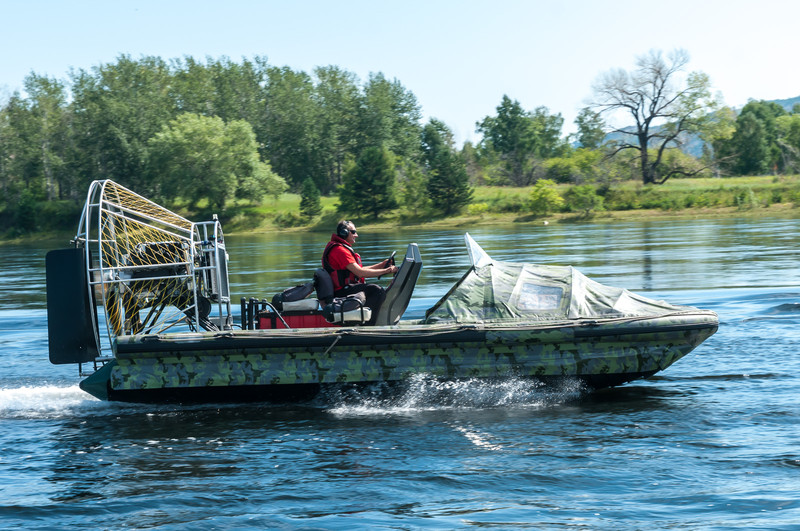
[
  {"x": 766, "y": 113},
  {"x": 544, "y": 198},
  {"x": 34, "y": 147},
  {"x": 115, "y": 111},
  {"x": 54, "y": 145},
  {"x": 290, "y": 134},
  {"x": 197, "y": 157},
  {"x": 562, "y": 170},
  {"x": 24, "y": 212},
  {"x": 591, "y": 129},
  {"x": 338, "y": 99},
  {"x": 48, "y": 110},
  {"x": 663, "y": 113},
  {"x": 192, "y": 87},
  {"x": 18, "y": 158},
  {"x": 789, "y": 141},
  {"x": 510, "y": 135},
  {"x": 521, "y": 138},
  {"x": 370, "y": 184},
  {"x": 389, "y": 117},
  {"x": 220, "y": 87},
  {"x": 583, "y": 198},
  {"x": 310, "y": 204},
  {"x": 237, "y": 90},
  {"x": 448, "y": 182},
  {"x": 413, "y": 188},
  {"x": 254, "y": 176},
  {"x": 6, "y": 155},
  {"x": 716, "y": 136},
  {"x": 750, "y": 145},
  {"x": 547, "y": 133}
]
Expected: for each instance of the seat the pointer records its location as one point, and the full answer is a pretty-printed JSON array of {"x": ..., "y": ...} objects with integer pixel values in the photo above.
[{"x": 323, "y": 284}]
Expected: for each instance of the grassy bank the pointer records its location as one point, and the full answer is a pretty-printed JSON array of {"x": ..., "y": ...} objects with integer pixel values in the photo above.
[{"x": 677, "y": 198}]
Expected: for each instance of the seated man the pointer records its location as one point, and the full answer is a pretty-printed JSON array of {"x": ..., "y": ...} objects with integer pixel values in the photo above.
[{"x": 344, "y": 265}]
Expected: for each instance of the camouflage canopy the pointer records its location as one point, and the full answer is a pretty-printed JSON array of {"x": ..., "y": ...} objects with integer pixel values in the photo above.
[{"x": 493, "y": 290}]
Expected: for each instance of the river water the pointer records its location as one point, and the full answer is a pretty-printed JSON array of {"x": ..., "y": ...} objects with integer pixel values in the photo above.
[{"x": 712, "y": 442}]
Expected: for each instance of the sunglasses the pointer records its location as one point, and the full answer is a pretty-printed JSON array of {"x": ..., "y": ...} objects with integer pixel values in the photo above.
[{"x": 353, "y": 231}]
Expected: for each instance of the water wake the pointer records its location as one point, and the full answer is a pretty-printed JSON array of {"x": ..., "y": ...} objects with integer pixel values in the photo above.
[
  {"x": 46, "y": 401},
  {"x": 425, "y": 393},
  {"x": 420, "y": 393}
]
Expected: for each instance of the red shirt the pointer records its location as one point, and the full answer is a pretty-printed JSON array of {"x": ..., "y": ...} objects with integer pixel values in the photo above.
[{"x": 340, "y": 255}]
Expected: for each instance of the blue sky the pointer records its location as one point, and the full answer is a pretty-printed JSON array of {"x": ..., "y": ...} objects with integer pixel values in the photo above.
[{"x": 458, "y": 57}]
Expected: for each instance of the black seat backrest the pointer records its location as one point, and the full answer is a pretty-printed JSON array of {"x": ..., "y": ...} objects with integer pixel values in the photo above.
[{"x": 324, "y": 285}]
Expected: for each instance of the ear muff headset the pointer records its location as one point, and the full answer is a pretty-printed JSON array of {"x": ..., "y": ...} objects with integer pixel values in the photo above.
[{"x": 342, "y": 231}]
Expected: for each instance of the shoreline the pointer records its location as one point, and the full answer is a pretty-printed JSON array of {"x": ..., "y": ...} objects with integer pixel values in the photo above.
[{"x": 784, "y": 210}]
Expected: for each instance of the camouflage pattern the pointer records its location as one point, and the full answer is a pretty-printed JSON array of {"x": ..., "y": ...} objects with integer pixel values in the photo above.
[{"x": 615, "y": 346}]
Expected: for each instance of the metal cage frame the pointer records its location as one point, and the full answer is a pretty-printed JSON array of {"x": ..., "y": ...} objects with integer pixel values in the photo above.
[{"x": 143, "y": 258}]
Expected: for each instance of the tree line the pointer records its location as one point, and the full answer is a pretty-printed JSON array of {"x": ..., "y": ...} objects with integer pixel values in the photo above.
[{"x": 219, "y": 130}]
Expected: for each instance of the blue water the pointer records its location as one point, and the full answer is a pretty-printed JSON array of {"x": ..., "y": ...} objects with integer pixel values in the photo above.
[{"x": 712, "y": 442}]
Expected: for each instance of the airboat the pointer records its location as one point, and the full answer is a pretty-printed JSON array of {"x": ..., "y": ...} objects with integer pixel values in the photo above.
[{"x": 141, "y": 302}]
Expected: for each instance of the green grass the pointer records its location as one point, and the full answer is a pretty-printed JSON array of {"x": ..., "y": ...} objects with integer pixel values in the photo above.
[{"x": 501, "y": 204}]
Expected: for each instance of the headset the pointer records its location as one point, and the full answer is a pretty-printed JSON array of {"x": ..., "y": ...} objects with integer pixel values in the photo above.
[{"x": 342, "y": 231}]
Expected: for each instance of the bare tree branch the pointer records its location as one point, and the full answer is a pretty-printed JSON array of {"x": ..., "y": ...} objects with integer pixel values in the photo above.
[{"x": 661, "y": 111}]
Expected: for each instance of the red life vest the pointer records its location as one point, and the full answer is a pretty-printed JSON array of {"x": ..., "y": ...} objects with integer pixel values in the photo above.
[{"x": 340, "y": 277}]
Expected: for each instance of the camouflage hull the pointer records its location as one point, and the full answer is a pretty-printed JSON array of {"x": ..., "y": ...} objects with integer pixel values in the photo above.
[{"x": 276, "y": 365}]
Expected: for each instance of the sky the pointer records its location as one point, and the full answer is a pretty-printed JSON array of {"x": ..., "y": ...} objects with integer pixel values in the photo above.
[{"x": 459, "y": 58}]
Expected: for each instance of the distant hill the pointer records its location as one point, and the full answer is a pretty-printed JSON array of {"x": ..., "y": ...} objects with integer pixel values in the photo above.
[{"x": 789, "y": 103}]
